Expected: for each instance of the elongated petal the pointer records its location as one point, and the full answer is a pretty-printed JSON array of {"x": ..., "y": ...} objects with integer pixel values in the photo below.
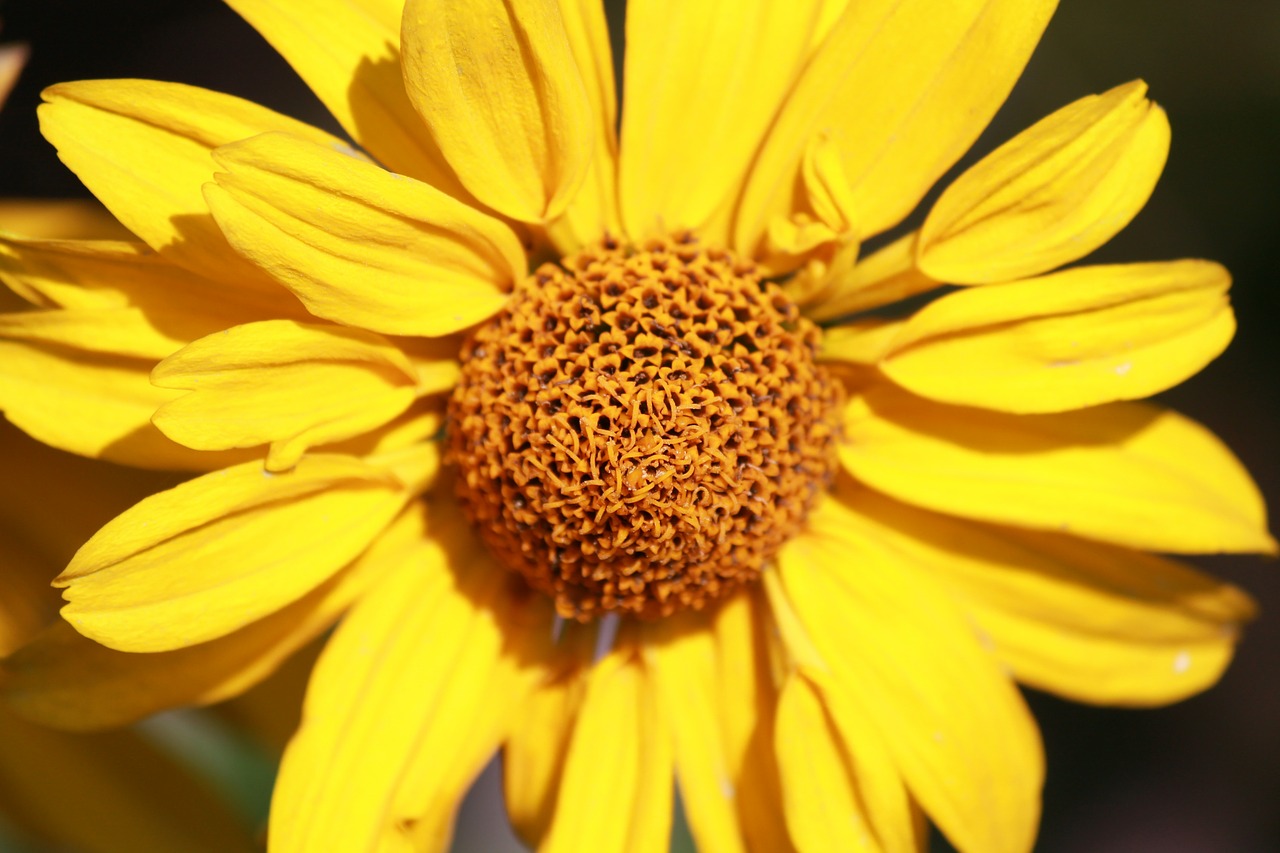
[
  {"x": 53, "y": 502},
  {"x": 407, "y": 702},
  {"x": 96, "y": 274},
  {"x": 497, "y": 83},
  {"x": 348, "y": 52},
  {"x": 124, "y": 794},
  {"x": 93, "y": 405},
  {"x": 864, "y": 343},
  {"x": 360, "y": 245},
  {"x": 1125, "y": 473},
  {"x": 60, "y": 219},
  {"x": 216, "y": 553},
  {"x": 1085, "y": 620},
  {"x": 127, "y": 332},
  {"x": 702, "y": 83},
  {"x": 533, "y": 758},
  {"x": 1078, "y": 338},
  {"x": 712, "y": 690},
  {"x": 66, "y": 680},
  {"x": 1052, "y": 194},
  {"x": 143, "y": 148},
  {"x": 882, "y": 278},
  {"x": 616, "y": 794},
  {"x": 900, "y": 124},
  {"x": 901, "y": 653},
  {"x": 593, "y": 212},
  {"x": 288, "y": 384},
  {"x": 822, "y": 786}
]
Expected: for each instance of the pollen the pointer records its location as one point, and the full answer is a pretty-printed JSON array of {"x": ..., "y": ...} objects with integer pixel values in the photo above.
[{"x": 641, "y": 428}]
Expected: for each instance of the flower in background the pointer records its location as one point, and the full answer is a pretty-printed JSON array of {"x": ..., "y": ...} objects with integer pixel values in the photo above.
[{"x": 595, "y": 433}]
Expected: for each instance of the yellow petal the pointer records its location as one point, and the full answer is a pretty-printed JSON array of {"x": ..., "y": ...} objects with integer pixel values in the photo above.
[
  {"x": 616, "y": 793},
  {"x": 702, "y": 84},
  {"x": 710, "y": 672},
  {"x": 128, "y": 332},
  {"x": 1050, "y": 195},
  {"x": 143, "y": 148},
  {"x": 863, "y": 343},
  {"x": 89, "y": 274},
  {"x": 884, "y": 277},
  {"x": 287, "y": 384},
  {"x": 904, "y": 87},
  {"x": 64, "y": 218},
  {"x": 1125, "y": 473},
  {"x": 63, "y": 679},
  {"x": 1078, "y": 338},
  {"x": 54, "y": 502},
  {"x": 497, "y": 83},
  {"x": 348, "y": 52},
  {"x": 214, "y": 554},
  {"x": 593, "y": 212},
  {"x": 407, "y": 703},
  {"x": 901, "y": 654},
  {"x": 533, "y": 757},
  {"x": 358, "y": 244},
  {"x": 1088, "y": 621},
  {"x": 821, "y": 783},
  {"x": 94, "y": 405},
  {"x": 109, "y": 792}
]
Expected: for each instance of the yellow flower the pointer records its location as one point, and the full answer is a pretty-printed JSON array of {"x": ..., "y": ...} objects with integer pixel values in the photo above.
[{"x": 499, "y": 361}]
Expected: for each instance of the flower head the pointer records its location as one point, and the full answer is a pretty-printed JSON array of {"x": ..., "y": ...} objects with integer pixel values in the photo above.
[{"x": 593, "y": 430}]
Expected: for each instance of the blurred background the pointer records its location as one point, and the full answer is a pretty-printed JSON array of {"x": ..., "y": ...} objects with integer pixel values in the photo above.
[{"x": 1199, "y": 777}]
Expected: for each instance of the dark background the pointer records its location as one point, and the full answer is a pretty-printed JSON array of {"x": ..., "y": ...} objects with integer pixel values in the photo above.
[{"x": 1199, "y": 777}]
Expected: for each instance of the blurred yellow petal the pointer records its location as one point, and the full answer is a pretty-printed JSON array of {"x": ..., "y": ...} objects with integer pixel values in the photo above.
[
  {"x": 616, "y": 794},
  {"x": 498, "y": 85},
  {"x": 95, "y": 274},
  {"x": 702, "y": 81},
  {"x": 864, "y": 342},
  {"x": 1088, "y": 621},
  {"x": 1052, "y": 194},
  {"x": 408, "y": 701},
  {"x": 1069, "y": 340},
  {"x": 883, "y": 277},
  {"x": 821, "y": 790},
  {"x": 66, "y": 680},
  {"x": 287, "y": 384},
  {"x": 593, "y": 212},
  {"x": 143, "y": 148},
  {"x": 110, "y": 792},
  {"x": 348, "y": 52},
  {"x": 746, "y": 696},
  {"x": 94, "y": 405},
  {"x": 711, "y": 684},
  {"x": 60, "y": 218},
  {"x": 1125, "y": 473},
  {"x": 899, "y": 124},
  {"x": 533, "y": 757},
  {"x": 966, "y": 746},
  {"x": 126, "y": 332},
  {"x": 54, "y": 503},
  {"x": 218, "y": 552},
  {"x": 360, "y": 245}
]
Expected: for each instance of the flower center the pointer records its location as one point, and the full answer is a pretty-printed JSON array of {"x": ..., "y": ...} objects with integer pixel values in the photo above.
[{"x": 640, "y": 428}]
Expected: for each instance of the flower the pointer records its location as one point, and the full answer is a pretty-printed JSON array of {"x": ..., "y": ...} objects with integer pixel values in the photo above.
[{"x": 599, "y": 440}]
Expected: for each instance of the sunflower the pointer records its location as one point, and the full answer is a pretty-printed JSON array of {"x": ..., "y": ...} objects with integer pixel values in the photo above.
[{"x": 592, "y": 429}]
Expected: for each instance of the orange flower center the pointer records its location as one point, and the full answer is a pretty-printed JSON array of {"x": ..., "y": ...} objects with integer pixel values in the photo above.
[{"x": 640, "y": 429}]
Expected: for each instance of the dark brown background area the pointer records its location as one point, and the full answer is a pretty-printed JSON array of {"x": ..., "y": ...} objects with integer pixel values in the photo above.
[{"x": 1199, "y": 777}]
